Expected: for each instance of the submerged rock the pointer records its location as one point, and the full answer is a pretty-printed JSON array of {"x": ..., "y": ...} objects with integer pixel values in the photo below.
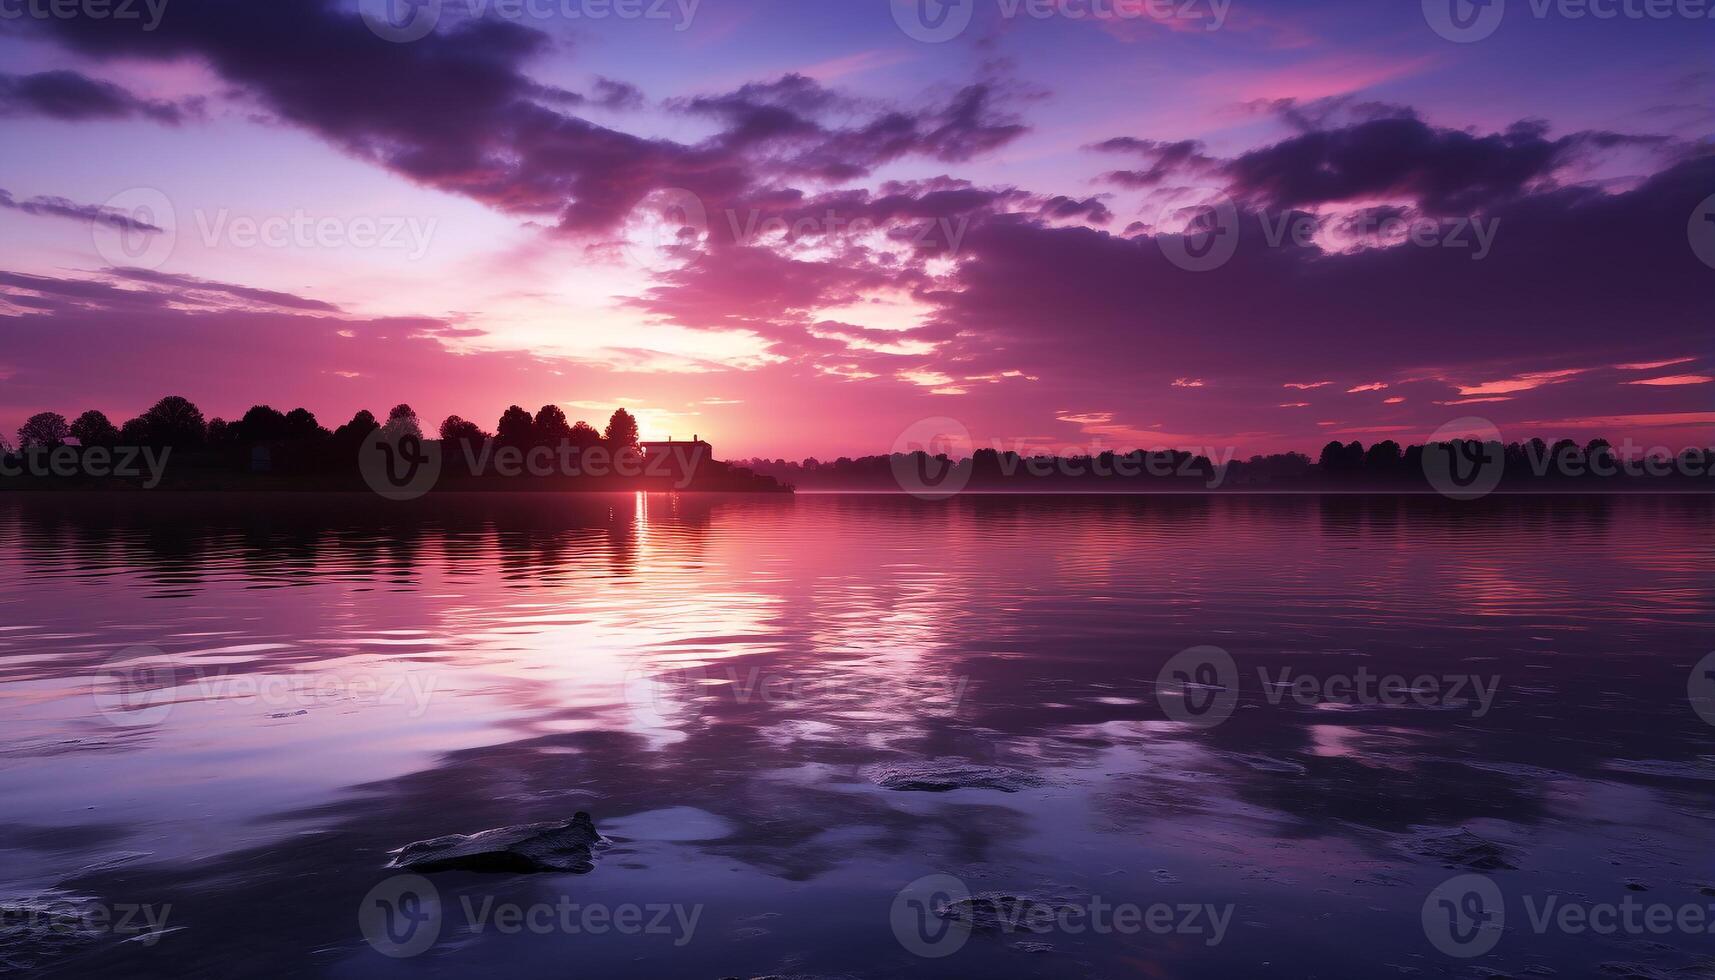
[
  {"x": 1000, "y": 912},
  {"x": 942, "y": 775},
  {"x": 38, "y": 929},
  {"x": 532, "y": 847},
  {"x": 1463, "y": 849}
]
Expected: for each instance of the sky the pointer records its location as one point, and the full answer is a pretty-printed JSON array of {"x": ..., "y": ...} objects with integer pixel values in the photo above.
[{"x": 812, "y": 229}]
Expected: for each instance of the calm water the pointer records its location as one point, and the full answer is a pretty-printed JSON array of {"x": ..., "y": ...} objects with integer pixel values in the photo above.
[{"x": 227, "y": 711}]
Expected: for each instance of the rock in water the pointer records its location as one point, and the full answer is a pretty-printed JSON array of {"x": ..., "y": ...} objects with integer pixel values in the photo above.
[
  {"x": 940, "y": 776},
  {"x": 1463, "y": 849},
  {"x": 999, "y": 912},
  {"x": 509, "y": 850}
]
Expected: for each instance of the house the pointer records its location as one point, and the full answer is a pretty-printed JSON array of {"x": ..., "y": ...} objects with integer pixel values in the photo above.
[{"x": 676, "y": 459}]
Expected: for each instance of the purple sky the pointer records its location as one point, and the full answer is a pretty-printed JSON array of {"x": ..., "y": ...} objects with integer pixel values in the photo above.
[{"x": 799, "y": 229}]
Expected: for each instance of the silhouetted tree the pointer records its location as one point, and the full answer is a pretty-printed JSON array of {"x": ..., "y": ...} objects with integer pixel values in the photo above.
[
  {"x": 621, "y": 430},
  {"x": 262, "y": 424},
  {"x": 46, "y": 429},
  {"x": 550, "y": 427},
  {"x": 173, "y": 421},
  {"x": 352, "y": 434},
  {"x": 455, "y": 429},
  {"x": 1382, "y": 459},
  {"x": 516, "y": 427},
  {"x": 93, "y": 429},
  {"x": 456, "y": 432},
  {"x": 584, "y": 435},
  {"x": 301, "y": 425},
  {"x": 401, "y": 422}
]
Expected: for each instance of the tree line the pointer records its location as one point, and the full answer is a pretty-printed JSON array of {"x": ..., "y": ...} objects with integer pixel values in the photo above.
[{"x": 177, "y": 422}]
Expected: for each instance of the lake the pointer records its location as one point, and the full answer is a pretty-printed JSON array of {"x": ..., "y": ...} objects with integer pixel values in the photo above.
[{"x": 850, "y": 735}]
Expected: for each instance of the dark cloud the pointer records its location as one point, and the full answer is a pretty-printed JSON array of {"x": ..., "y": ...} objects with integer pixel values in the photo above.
[
  {"x": 1178, "y": 160},
  {"x": 59, "y": 207},
  {"x": 1443, "y": 171},
  {"x": 783, "y": 121},
  {"x": 455, "y": 110},
  {"x": 70, "y": 96},
  {"x": 142, "y": 289}
]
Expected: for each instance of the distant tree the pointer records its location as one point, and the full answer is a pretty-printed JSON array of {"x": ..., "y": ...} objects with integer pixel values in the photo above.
[
  {"x": 351, "y": 435},
  {"x": 301, "y": 425},
  {"x": 621, "y": 430},
  {"x": 262, "y": 424},
  {"x": 46, "y": 429},
  {"x": 401, "y": 422},
  {"x": 174, "y": 421},
  {"x": 455, "y": 431},
  {"x": 584, "y": 435},
  {"x": 516, "y": 427},
  {"x": 5, "y": 447},
  {"x": 1383, "y": 457},
  {"x": 550, "y": 426},
  {"x": 93, "y": 429},
  {"x": 221, "y": 432}
]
